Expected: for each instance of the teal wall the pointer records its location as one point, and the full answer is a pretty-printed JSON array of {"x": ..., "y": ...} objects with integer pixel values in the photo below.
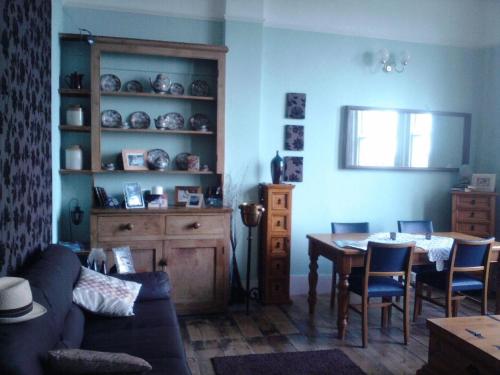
[
  {"x": 263, "y": 64},
  {"x": 335, "y": 71}
]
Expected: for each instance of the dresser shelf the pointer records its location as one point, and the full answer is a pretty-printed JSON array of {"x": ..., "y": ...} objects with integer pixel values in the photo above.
[
  {"x": 74, "y": 92},
  {"x": 156, "y": 96},
  {"x": 74, "y": 128},
  {"x": 155, "y": 131},
  {"x": 75, "y": 171}
]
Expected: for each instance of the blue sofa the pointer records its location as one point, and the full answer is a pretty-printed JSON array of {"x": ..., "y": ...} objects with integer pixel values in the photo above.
[{"x": 152, "y": 334}]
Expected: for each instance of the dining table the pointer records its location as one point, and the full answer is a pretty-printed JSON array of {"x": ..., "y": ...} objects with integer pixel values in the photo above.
[{"x": 346, "y": 258}]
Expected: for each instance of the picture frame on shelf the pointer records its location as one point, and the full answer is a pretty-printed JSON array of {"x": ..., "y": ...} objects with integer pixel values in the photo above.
[
  {"x": 133, "y": 195},
  {"x": 182, "y": 194},
  {"x": 195, "y": 201},
  {"x": 135, "y": 160},
  {"x": 123, "y": 259},
  {"x": 484, "y": 182}
]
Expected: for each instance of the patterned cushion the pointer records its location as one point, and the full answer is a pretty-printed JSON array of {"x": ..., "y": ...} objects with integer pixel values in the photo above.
[
  {"x": 105, "y": 295},
  {"x": 77, "y": 361}
]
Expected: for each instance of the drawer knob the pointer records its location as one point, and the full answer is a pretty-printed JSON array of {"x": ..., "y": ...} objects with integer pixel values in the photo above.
[
  {"x": 128, "y": 226},
  {"x": 473, "y": 201},
  {"x": 279, "y": 201},
  {"x": 472, "y": 214},
  {"x": 196, "y": 225},
  {"x": 162, "y": 262},
  {"x": 278, "y": 223},
  {"x": 278, "y": 245}
]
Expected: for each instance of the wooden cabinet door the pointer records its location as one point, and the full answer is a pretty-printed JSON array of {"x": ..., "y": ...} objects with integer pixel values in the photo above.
[
  {"x": 146, "y": 254},
  {"x": 197, "y": 271}
]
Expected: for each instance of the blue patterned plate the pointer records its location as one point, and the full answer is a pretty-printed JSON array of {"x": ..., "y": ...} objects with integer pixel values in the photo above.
[
  {"x": 110, "y": 83},
  {"x": 134, "y": 86},
  {"x": 111, "y": 119},
  {"x": 139, "y": 120},
  {"x": 170, "y": 121},
  {"x": 200, "y": 88},
  {"x": 176, "y": 89},
  {"x": 199, "y": 122}
]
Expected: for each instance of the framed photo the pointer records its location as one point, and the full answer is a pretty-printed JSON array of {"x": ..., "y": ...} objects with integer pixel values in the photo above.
[
  {"x": 484, "y": 182},
  {"x": 182, "y": 194},
  {"x": 133, "y": 195},
  {"x": 294, "y": 137},
  {"x": 134, "y": 160},
  {"x": 123, "y": 259},
  {"x": 295, "y": 105},
  {"x": 195, "y": 201}
]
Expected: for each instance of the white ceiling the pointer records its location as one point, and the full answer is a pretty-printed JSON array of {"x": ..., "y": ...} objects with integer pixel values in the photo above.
[{"x": 471, "y": 23}]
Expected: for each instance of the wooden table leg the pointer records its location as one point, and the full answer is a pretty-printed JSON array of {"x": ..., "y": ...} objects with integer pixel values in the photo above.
[
  {"x": 497, "y": 291},
  {"x": 343, "y": 300},
  {"x": 313, "y": 277}
]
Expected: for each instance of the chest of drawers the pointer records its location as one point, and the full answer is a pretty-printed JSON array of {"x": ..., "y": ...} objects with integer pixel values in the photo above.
[
  {"x": 473, "y": 213},
  {"x": 192, "y": 245}
]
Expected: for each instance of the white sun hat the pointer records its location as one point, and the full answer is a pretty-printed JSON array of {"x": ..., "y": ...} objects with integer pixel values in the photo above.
[{"x": 16, "y": 301}]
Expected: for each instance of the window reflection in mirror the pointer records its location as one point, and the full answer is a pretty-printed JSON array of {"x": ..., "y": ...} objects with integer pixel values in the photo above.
[{"x": 405, "y": 139}]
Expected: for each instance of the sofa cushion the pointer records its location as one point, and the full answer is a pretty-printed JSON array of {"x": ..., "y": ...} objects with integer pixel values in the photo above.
[
  {"x": 155, "y": 285},
  {"x": 105, "y": 295},
  {"x": 81, "y": 362},
  {"x": 55, "y": 274},
  {"x": 152, "y": 334},
  {"x": 72, "y": 334},
  {"x": 24, "y": 346}
]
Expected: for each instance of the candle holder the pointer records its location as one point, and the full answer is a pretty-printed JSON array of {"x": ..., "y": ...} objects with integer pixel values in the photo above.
[{"x": 251, "y": 213}]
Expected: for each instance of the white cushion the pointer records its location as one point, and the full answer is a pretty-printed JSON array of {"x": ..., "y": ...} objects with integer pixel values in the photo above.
[{"x": 105, "y": 295}]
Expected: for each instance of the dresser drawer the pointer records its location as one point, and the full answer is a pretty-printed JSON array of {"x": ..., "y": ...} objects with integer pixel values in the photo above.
[
  {"x": 129, "y": 226},
  {"x": 472, "y": 202},
  {"x": 279, "y": 223},
  {"x": 195, "y": 224},
  {"x": 473, "y": 216},
  {"x": 279, "y": 246},
  {"x": 280, "y": 201},
  {"x": 480, "y": 230},
  {"x": 278, "y": 268}
]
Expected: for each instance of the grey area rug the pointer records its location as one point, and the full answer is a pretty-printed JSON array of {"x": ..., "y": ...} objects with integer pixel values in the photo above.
[{"x": 321, "y": 362}]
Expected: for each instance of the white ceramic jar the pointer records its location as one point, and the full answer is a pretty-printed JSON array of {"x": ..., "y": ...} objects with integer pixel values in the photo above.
[
  {"x": 74, "y": 158},
  {"x": 74, "y": 115}
]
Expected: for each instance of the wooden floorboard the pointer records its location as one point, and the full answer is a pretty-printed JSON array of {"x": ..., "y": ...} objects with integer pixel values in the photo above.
[{"x": 289, "y": 328}]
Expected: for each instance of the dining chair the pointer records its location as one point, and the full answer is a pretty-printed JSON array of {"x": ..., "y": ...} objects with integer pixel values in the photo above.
[
  {"x": 362, "y": 227},
  {"x": 383, "y": 261},
  {"x": 468, "y": 258},
  {"x": 415, "y": 226}
]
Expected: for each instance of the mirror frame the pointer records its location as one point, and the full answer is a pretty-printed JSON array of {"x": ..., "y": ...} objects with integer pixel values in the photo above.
[{"x": 346, "y": 148}]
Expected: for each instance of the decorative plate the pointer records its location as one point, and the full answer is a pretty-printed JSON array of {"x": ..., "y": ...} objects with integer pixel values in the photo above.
[
  {"x": 110, "y": 83},
  {"x": 134, "y": 86},
  {"x": 199, "y": 88},
  {"x": 170, "y": 121},
  {"x": 139, "y": 120},
  {"x": 176, "y": 89},
  {"x": 111, "y": 119},
  {"x": 181, "y": 161},
  {"x": 158, "y": 159},
  {"x": 199, "y": 122}
]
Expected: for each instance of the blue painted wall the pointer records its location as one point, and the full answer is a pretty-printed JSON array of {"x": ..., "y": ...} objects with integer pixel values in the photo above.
[
  {"x": 338, "y": 70},
  {"x": 263, "y": 64}
]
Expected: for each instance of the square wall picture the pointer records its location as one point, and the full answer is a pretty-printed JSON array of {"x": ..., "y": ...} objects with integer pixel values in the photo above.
[
  {"x": 294, "y": 168},
  {"x": 294, "y": 137},
  {"x": 296, "y": 105}
]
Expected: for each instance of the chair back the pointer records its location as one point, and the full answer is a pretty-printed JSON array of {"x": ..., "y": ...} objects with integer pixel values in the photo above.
[
  {"x": 350, "y": 227},
  {"x": 384, "y": 259},
  {"x": 470, "y": 255},
  {"x": 415, "y": 226}
]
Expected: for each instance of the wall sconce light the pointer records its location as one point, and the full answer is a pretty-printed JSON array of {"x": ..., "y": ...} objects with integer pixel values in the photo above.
[
  {"x": 87, "y": 34},
  {"x": 389, "y": 65}
]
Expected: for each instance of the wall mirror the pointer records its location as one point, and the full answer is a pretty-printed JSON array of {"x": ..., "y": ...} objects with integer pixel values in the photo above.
[{"x": 404, "y": 139}]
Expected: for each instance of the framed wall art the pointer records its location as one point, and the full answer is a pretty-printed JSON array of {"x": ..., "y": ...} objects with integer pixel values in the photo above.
[
  {"x": 295, "y": 105},
  {"x": 294, "y": 137},
  {"x": 135, "y": 160},
  {"x": 294, "y": 166}
]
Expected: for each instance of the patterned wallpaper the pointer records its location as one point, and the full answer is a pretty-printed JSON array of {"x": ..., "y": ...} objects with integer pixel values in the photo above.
[{"x": 25, "y": 136}]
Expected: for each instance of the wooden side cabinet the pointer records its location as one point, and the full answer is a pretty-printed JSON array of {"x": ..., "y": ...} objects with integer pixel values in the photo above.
[
  {"x": 274, "y": 256},
  {"x": 473, "y": 213},
  {"x": 191, "y": 245}
]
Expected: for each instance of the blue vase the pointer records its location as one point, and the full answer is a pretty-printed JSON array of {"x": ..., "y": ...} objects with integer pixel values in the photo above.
[{"x": 277, "y": 169}]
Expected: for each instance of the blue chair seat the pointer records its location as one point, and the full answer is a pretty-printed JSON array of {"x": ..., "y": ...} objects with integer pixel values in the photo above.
[
  {"x": 378, "y": 286},
  {"x": 461, "y": 281}
]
